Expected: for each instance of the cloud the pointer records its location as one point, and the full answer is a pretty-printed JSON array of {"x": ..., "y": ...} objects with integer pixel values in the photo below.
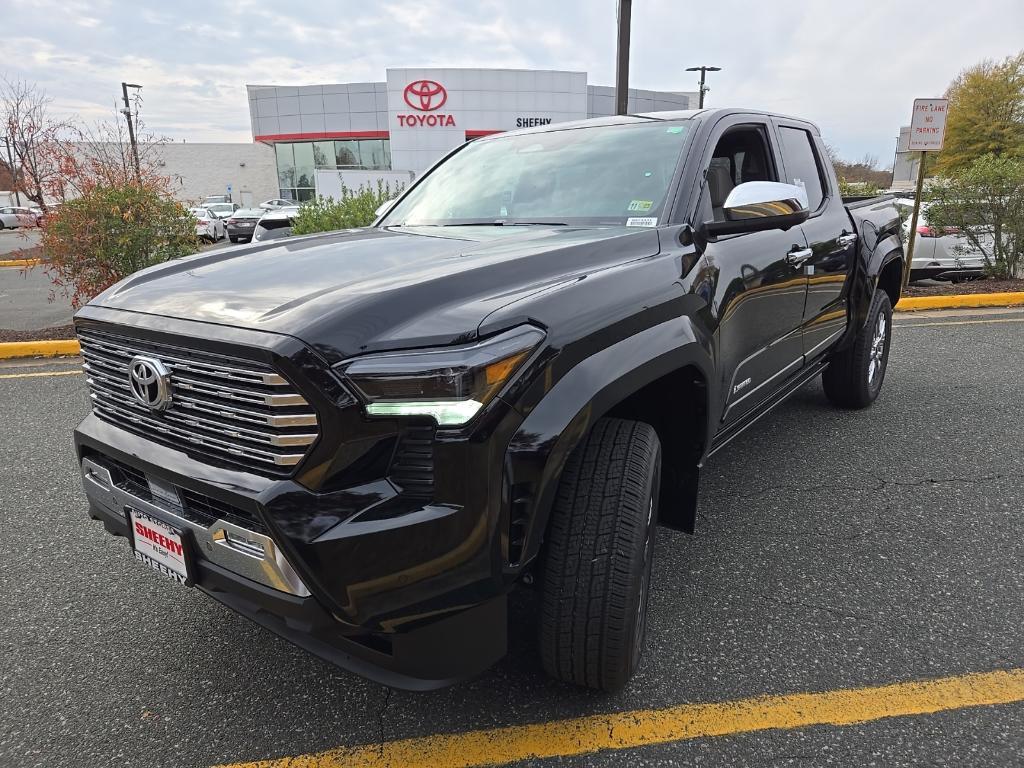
[{"x": 854, "y": 68}]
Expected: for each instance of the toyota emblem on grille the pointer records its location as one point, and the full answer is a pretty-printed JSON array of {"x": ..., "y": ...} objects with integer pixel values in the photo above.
[{"x": 150, "y": 382}]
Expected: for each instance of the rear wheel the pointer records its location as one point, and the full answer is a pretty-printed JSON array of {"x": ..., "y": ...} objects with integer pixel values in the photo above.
[
  {"x": 854, "y": 377},
  {"x": 597, "y": 561}
]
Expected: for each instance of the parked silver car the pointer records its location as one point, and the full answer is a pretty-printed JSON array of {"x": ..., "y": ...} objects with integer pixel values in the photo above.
[
  {"x": 276, "y": 203},
  {"x": 941, "y": 254},
  {"x": 15, "y": 216},
  {"x": 275, "y": 224},
  {"x": 209, "y": 226}
]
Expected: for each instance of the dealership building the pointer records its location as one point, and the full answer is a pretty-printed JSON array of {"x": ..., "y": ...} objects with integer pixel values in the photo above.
[{"x": 323, "y": 136}]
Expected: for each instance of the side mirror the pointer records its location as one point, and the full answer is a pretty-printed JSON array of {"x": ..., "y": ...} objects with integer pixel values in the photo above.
[
  {"x": 756, "y": 206},
  {"x": 385, "y": 207}
]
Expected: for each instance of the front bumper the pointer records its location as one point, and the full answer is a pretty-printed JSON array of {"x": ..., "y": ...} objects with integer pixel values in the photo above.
[{"x": 264, "y": 585}]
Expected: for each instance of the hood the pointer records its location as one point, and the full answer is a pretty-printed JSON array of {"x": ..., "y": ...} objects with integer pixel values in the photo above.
[{"x": 349, "y": 292}]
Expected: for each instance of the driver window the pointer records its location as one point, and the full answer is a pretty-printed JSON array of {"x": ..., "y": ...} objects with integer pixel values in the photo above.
[{"x": 741, "y": 155}]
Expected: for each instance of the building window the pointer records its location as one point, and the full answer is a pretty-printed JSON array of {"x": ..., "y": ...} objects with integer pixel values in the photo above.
[{"x": 297, "y": 161}]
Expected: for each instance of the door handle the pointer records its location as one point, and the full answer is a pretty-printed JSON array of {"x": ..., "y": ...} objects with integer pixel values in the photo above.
[
  {"x": 796, "y": 258},
  {"x": 845, "y": 240}
]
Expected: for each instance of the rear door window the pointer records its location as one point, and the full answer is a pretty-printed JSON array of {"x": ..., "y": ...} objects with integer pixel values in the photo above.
[{"x": 802, "y": 166}]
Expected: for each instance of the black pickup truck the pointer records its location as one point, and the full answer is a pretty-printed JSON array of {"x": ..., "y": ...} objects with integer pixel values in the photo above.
[{"x": 364, "y": 440}]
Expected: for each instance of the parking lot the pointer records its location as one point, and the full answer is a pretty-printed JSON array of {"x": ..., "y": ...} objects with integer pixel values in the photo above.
[{"x": 835, "y": 550}]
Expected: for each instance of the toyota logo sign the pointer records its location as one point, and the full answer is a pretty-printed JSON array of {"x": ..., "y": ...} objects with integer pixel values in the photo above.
[
  {"x": 150, "y": 382},
  {"x": 425, "y": 95}
]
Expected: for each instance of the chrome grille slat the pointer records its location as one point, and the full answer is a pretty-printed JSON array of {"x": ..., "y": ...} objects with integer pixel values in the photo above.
[
  {"x": 233, "y": 410},
  {"x": 168, "y": 429},
  {"x": 100, "y": 387},
  {"x": 224, "y": 371},
  {"x": 242, "y": 395}
]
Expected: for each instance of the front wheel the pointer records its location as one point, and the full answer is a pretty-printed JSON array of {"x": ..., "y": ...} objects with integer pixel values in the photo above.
[
  {"x": 597, "y": 560},
  {"x": 854, "y": 377}
]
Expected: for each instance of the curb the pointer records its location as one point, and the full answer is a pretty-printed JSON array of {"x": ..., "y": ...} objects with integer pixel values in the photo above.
[
  {"x": 12, "y": 349},
  {"x": 961, "y": 301},
  {"x": 20, "y": 262}
]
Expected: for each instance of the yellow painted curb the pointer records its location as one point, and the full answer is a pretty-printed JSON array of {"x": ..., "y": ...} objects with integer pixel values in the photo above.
[
  {"x": 914, "y": 303},
  {"x": 19, "y": 262},
  {"x": 9, "y": 349}
]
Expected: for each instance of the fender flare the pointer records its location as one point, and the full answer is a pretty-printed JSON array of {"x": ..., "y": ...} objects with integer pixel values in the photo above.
[
  {"x": 538, "y": 451},
  {"x": 885, "y": 251},
  {"x": 864, "y": 283}
]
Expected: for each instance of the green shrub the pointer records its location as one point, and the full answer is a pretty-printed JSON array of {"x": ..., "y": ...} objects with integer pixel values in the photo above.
[
  {"x": 111, "y": 231},
  {"x": 984, "y": 200},
  {"x": 355, "y": 209}
]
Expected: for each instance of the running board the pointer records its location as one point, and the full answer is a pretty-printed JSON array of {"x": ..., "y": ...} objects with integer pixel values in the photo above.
[{"x": 726, "y": 436}]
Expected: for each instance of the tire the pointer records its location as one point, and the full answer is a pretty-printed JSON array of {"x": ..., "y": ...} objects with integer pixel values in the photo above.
[
  {"x": 597, "y": 560},
  {"x": 234, "y": 239},
  {"x": 854, "y": 377}
]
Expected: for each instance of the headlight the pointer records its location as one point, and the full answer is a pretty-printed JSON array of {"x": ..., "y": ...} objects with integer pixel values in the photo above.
[{"x": 450, "y": 384}]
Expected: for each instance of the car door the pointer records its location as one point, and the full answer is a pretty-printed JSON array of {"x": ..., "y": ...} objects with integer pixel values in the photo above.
[
  {"x": 828, "y": 231},
  {"x": 759, "y": 294}
]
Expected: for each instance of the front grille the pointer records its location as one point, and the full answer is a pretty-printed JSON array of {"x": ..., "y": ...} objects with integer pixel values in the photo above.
[
  {"x": 239, "y": 412},
  {"x": 194, "y": 506},
  {"x": 206, "y": 509}
]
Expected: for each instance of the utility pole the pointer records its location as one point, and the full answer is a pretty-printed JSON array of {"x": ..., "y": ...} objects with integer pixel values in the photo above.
[
  {"x": 913, "y": 219},
  {"x": 14, "y": 175},
  {"x": 131, "y": 128},
  {"x": 622, "y": 59},
  {"x": 703, "y": 88}
]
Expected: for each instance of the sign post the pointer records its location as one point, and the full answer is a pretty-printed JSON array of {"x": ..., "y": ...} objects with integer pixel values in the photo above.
[{"x": 927, "y": 131}]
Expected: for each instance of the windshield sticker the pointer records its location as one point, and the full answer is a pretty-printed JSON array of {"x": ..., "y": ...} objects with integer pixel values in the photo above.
[
  {"x": 674, "y": 129},
  {"x": 642, "y": 221},
  {"x": 640, "y": 205}
]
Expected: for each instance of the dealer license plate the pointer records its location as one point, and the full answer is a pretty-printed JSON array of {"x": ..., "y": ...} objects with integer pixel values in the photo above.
[{"x": 159, "y": 545}]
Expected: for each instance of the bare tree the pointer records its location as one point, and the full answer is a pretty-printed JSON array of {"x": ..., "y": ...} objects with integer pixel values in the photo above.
[
  {"x": 38, "y": 141},
  {"x": 101, "y": 154}
]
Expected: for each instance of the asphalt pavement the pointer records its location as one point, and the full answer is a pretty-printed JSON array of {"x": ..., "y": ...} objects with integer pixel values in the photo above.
[
  {"x": 29, "y": 300},
  {"x": 14, "y": 240},
  {"x": 834, "y": 550}
]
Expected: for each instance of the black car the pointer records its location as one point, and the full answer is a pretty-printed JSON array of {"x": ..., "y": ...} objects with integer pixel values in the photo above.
[
  {"x": 365, "y": 440},
  {"x": 241, "y": 224}
]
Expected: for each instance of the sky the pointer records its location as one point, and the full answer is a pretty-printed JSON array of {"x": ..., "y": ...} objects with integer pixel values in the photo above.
[{"x": 852, "y": 67}]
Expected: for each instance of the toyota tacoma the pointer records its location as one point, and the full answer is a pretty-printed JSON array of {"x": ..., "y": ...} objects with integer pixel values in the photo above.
[{"x": 365, "y": 440}]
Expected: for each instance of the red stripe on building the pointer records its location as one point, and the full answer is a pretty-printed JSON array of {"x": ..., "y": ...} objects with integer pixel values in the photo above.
[
  {"x": 478, "y": 134},
  {"x": 324, "y": 135}
]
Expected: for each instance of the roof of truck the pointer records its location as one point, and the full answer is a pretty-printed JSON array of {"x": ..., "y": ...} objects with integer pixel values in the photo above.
[{"x": 681, "y": 114}]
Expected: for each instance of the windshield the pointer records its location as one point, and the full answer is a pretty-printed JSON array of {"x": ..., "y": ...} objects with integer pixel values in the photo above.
[{"x": 600, "y": 175}]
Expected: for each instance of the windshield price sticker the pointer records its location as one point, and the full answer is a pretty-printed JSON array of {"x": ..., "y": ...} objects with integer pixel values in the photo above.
[{"x": 642, "y": 221}]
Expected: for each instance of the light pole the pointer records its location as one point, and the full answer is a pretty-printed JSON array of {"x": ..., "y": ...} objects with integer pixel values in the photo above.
[
  {"x": 127, "y": 111},
  {"x": 14, "y": 176},
  {"x": 703, "y": 88},
  {"x": 622, "y": 58}
]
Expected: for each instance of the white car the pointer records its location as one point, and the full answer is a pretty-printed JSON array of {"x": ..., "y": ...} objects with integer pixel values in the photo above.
[
  {"x": 209, "y": 226},
  {"x": 222, "y": 210},
  {"x": 944, "y": 254},
  {"x": 16, "y": 216},
  {"x": 277, "y": 203},
  {"x": 275, "y": 224}
]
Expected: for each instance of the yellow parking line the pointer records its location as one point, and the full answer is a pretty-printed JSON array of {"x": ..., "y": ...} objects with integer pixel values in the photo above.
[
  {"x": 34, "y": 375},
  {"x": 898, "y": 324},
  {"x": 625, "y": 730}
]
